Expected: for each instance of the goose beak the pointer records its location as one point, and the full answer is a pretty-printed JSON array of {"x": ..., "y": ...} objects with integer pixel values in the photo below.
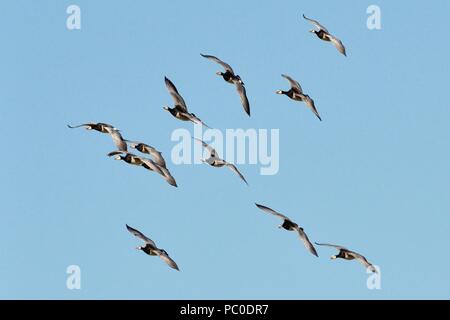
[
  {"x": 219, "y": 73},
  {"x": 333, "y": 257},
  {"x": 166, "y": 108},
  {"x": 138, "y": 248},
  {"x": 278, "y": 92},
  {"x": 312, "y": 31}
]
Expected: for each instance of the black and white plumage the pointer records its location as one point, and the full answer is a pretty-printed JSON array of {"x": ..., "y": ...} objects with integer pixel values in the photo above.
[
  {"x": 347, "y": 254},
  {"x": 289, "y": 225},
  {"x": 296, "y": 93},
  {"x": 230, "y": 77},
  {"x": 215, "y": 161},
  {"x": 323, "y": 34},
  {"x": 115, "y": 134},
  {"x": 151, "y": 249},
  {"x": 180, "y": 109}
]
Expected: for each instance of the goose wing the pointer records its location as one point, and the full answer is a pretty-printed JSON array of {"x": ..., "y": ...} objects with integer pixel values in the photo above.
[
  {"x": 177, "y": 98},
  {"x": 81, "y": 125},
  {"x": 243, "y": 95},
  {"x": 363, "y": 261},
  {"x": 115, "y": 153},
  {"x": 150, "y": 165},
  {"x": 338, "y": 44},
  {"x": 307, "y": 243},
  {"x": 226, "y": 66},
  {"x": 316, "y": 24},
  {"x": 168, "y": 176},
  {"x": 192, "y": 117},
  {"x": 211, "y": 150},
  {"x": 141, "y": 236},
  {"x": 310, "y": 103},
  {"x": 331, "y": 245},
  {"x": 233, "y": 168},
  {"x": 156, "y": 155},
  {"x": 117, "y": 139},
  {"x": 168, "y": 260},
  {"x": 294, "y": 84},
  {"x": 271, "y": 211}
]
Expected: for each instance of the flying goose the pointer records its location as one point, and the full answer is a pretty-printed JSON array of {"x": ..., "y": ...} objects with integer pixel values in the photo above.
[
  {"x": 106, "y": 128},
  {"x": 215, "y": 161},
  {"x": 145, "y": 148},
  {"x": 346, "y": 254},
  {"x": 100, "y": 127},
  {"x": 145, "y": 163},
  {"x": 180, "y": 110},
  {"x": 151, "y": 249},
  {"x": 296, "y": 93},
  {"x": 323, "y": 34},
  {"x": 230, "y": 77},
  {"x": 289, "y": 225}
]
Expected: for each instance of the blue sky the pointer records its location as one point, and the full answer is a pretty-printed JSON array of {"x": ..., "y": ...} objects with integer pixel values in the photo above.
[{"x": 373, "y": 176}]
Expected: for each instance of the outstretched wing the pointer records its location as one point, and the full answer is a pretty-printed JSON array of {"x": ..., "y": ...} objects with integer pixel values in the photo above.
[
  {"x": 168, "y": 176},
  {"x": 294, "y": 84},
  {"x": 81, "y": 125},
  {"x": 177, "y": 98},
  {"x": 226, "y": 66},
  {"x": 168, "y": 260},
  {"x": 331, "y": 245},
  {"x": 363, "y": 261},
  {"x": 271, "y": 211},
  {"x": 117, "y": 139},
  {"x": 150, "y": 165},
  {"x": 211, "y": 150},
  {"x": 233, "y": 168},
  {"x": 316, "y": 24},
  {"x": 157, "y": 157},
  {"x": 306, "y": 241},
  {"x": 310, "y": 103},
  {"x": 338, "y": 44},
  {"x": 141, "y": 236},
  {"x": 243, "y": 95}
]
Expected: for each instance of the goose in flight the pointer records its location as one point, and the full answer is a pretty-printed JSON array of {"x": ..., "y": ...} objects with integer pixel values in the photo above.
[
  {"x": 180, "y": 110},
  {"x": 289, "y": 225},
  {"x": 117, "y": 138},
  {"x": 296, "y": 93},
  {"x": 230, "y": 77},
  {"x": 145, "y": 163},
  {"x": 153, "y": 152},
  {"x": 346, "y": 254},
  {"x": 151, "y": 249},
  {"x": 215, "y": 161},
  {"x": 100, "y": 127},
  {"x": 323, "y": 34}
]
